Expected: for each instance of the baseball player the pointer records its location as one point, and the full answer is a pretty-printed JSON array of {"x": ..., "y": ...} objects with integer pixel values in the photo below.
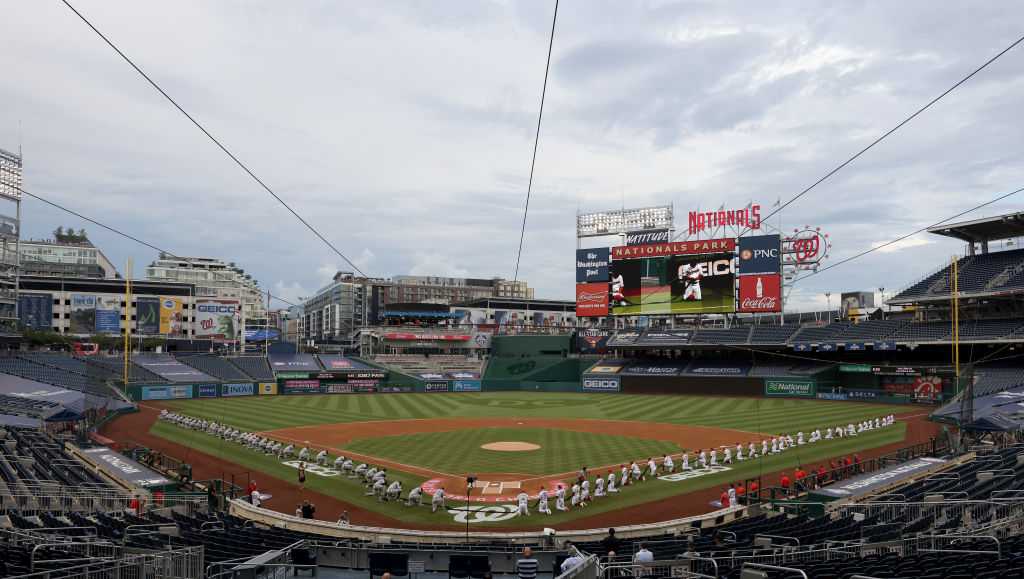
[
  {"x": 370, "y": 473},
  {"x": 339, "y": 462},
  {"x": 611, "y": 482},
  {"x": 690, "y": 275},
  {"x": 789, "y": 441},
  {"x": 751, "y": 450},
  {"x": 598, "y": 487},
  {"x": 360, "y": 471},
  {"x": 727, "y": 456},
  {"x": 624, "y": 476},
  {"x": 438, "y": 501},
  {"x": 542, "y": 502},
  {"x": 775, "y": 445},
  {"x": 739, "y": 451},
  {"x": 321, "y": 458},
  {"x": 584, "y": 492},
  {"x": 287, "y": 451},
  {"x": 524, "y": 506},
  {"x": 800, "y": 438},
  {"x": 828, "y": 433},
  {"x": 415, "y": 497},
  {"x": 618, "y": 284},
  {"x": 394, "y": 491},
  {"x": 702, "y": 459},
  {"x": 574, "y": 500},
  {"x": 668, "y": 464},
  {"x": 346, "y": 467},
  {"x": 686, "y": 461},
  {"x": 560, "y": 498},
  {"x": 840, "y": 431},
  {"x": 652, "y": 468},
  {"x": 635, "y": 468},
  {"x": 304, "y": 454},
  {"x": 379, "y": 486},
  {"x": 714, "y": 457}
]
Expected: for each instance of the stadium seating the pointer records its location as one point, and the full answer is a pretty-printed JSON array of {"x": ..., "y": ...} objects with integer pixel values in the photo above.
[
  {"x": 995, "y": 271},
  {"x": 768, "y": 334},
  {"x": 21, "y": 406},
  {"x": 738, "y": 335},
  {"x": 815, "y": 334},
  {"x": 30, "y": 457},
  {"x": 436, "y": 363},
  {"x": 871, "y": 330},
  {"x": 255, "y": 367},
  {"x": 112, "y": 368},
  {"x": 214, "y": 366},
  {"x": 52, "y": 375}
]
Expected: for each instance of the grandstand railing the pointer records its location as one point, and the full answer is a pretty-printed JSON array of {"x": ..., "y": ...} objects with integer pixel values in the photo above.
[
  {"x": 30, "y": 499},
  {"x": 185, "y": 563}
]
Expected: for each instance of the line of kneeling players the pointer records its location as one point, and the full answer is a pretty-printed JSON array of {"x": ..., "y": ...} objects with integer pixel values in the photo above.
[{"x": 376, "y": 483}]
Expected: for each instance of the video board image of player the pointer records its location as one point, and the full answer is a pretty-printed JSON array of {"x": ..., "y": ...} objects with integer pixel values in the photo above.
[{"x": 680, "y": 284}]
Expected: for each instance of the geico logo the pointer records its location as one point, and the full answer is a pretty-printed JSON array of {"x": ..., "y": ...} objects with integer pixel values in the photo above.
[
  {"x": 601, "y": 383},
  {"x": 218, "y": 309},
  {"x": 710, "y": 268}
]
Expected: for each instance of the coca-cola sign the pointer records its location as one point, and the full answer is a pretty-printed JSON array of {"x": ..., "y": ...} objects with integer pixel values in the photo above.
[
  {"x": 591, "y": 300},
  {"x": 760, "y": 293}
]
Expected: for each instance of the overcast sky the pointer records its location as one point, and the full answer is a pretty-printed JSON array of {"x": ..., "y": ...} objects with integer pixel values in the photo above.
[{"x": 403, "y": 130}]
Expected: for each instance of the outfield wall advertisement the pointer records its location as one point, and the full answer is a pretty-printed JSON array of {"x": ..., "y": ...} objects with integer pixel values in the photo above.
[
  {"x": 166, "y": 392},
  {"x": 601, "y": 383},
  {"x": 206, "y": 390},
  {"x": 799, "y": 387},
  {"x": 171, "y": 316},
  {"x": 677, "y": 284},
  {"x": 244, "y": 389},
  {"x": 268, "y": 388}
]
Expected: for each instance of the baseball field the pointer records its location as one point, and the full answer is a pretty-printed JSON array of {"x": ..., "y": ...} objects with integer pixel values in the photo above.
[{"x": 516, "y": 441}]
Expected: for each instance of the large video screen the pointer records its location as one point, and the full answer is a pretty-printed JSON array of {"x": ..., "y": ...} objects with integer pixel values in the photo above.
[{"x": 678, "y": 284}]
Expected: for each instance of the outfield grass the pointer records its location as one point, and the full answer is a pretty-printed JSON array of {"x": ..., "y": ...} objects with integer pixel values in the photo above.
[
  {"x": 561, "y": 450},
  {"x": 765, "y": 415},
  {"x": 753, "y": 414}
]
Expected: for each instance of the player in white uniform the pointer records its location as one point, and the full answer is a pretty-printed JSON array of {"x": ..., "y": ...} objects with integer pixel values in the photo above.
[
  {"x": 598, "y": 487},
  {"x": 438, "y": 501},
  {"x": 800, "y": 438},
  {"x": 690, "y": 276},
  {"x": 321, "y": 458},
  {"x": 652, "y": 468},
  {"x": 394, "y": 491},
  {"x": 702, "y": 459},
  {"x": 751, "y": 450},
  {"x": 668, "y": 464},
  {"x": 727, "y": 456},
  {"x": 542, "y": 502},
  {"x": 714, "y": 457},
  {"x": 379, "y": 487},
  {"x": 304, "y": 454},
  {"x": 739, "y": 451},
  {"x": 686, "y": 461},
  {"x": 636, "y": 472},
  {"x": 339, "y": 462},
  {"x": 560, "y": 498},
  {"x": 618, "y": 285},
  {"x": 346, "y": 467},
  {"x": 764, "y": 447},
  {"x": 287, "y": 451},
  {"x": 624, "y": 476},
  {"x": 524, "y": 504},
  {"x": 775, "y": 446},
  {"x": 415, "y": 497},
  {"x": 611, "y": 482},
  {"x": 584, "y": 491},
  {"x": 574, "y": 500}
]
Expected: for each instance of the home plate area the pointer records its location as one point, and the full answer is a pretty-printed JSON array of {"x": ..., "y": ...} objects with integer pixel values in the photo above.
[{"x": 490, "y": 488}]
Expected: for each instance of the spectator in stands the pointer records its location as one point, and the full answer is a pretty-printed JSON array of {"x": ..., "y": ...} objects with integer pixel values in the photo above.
[
  {"x": 856, "y": 464},
  {"x": 251, "y": 488},
  {"x": 343, "y": 520},
  {"x": 298, "y": 511},
  {"x": 573, "y": 560},
  {"x": 754, "y": 487},
  {"x": 847, "y": 467},
  {"x": 732, "y": 495},
  {"x": 526, "y": 566},
  {"x": 785, "y": 483},
  {"x": 611, "y": 542},
  {"x": 643, "y": 555},
  {"x": 723, "y": 499},
  {"x": 740, "y": 489},
  {"x": 822, "y": 477}
]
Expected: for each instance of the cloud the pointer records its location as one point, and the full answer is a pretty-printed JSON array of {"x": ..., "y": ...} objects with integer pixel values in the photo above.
[
  {"x": 403, "y": 131},
  {"x": 908, "y": 243}
]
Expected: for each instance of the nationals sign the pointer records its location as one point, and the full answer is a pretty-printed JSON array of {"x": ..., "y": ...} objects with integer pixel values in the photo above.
[
  {"x": 760, "y": 293},
  {"x": 749, "y": 217},
  {"x": 726, "y": 245},
  {"x": 591, "y": 300}
]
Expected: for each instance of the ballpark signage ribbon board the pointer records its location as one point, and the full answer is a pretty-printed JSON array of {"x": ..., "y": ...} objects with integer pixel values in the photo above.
[
  {"x": 673, "y": 248},
  {"x": 804, "y": 388},
  {"x": 592, "y": 264}
]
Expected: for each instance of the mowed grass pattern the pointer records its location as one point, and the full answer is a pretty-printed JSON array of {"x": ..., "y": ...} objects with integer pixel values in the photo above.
[
  {"x": 261, "y": 413},
  {"x": 561, "y": 450}
]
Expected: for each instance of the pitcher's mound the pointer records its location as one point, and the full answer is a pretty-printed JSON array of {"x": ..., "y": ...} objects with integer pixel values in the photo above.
[{"x": 510, "y": 446}]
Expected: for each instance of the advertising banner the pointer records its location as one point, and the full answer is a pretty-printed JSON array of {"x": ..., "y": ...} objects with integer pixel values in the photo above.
[
  {"x": 108, "y": 315},
  {"x": 801, "y": 387},
  {"x": 666, "y": 338},
  {"x": 653, "y": 371},
  {"x": 482, "y": 340},
  {"x": 593, "y": 341},
  {"x": 462, "y": 375},
  {"x": 727, "y": 245},
  {"x": 605, "y": 369},
  {"x": 268, "y": 388},
  {"x": 300, "y": 387},
  {"x": 206, "y": 390},
  {"x": 244, "y": 389},
  {"x": 592, "y": 265},
  {"x": 8, "y": 227},
  {"x": 394, "y": 389},
  {"x": 838, "y": 396},
  {"x": 601, "y": 384},
  {"x": 262, "y": 335},
  {"x": 166, "y": 392},
  {"x": 435, "y": 387},
  {"x": 681, "y": 284},
  {"x": 336, "y": 388},
  {"x": 647, "y": 237},
  {"x": 466, "y": 386},
  {"x": 927, "y": 388},
  {"x": 121, "y": 467},
  {"x": 292, "y": 375},
  {"x": 760, "y": 254},
  {"x": 591, "y": 300},
  {"x": 83, "y": 314},
  {"x": 855, "y": 368},
  {"x": 760, "y": 293},
  {"x": 147, "y": 315},
  {"x": 217, "y": 319},
  {"x": 35, "y": 311},
  {"x": 852, "y": 303},
  {"x": 862, "y": 394},
  {"x": 170, "y": 317}
]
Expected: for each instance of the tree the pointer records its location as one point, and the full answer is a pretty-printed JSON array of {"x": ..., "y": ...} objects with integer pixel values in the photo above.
[
  {"x": 58, "y": 233},
  {"x": 81, "y": 234}
]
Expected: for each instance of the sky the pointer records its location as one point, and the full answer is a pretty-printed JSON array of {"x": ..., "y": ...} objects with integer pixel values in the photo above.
[{"x": 403, "y": 130}]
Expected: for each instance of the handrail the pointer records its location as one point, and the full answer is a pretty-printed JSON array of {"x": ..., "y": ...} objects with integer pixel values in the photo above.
[
  {"x": 778, "y": 537},
  {"x": 774, "y": 568},
  {"x": 692, "y": 557}
]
